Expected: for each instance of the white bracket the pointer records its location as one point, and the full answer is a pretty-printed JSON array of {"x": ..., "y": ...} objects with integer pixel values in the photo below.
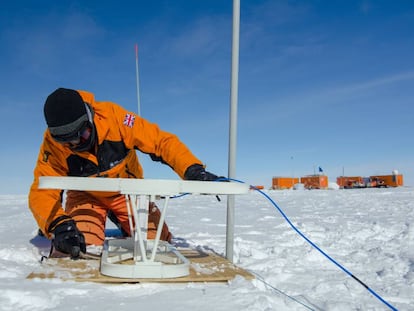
[{"x": 136, "y": 256}]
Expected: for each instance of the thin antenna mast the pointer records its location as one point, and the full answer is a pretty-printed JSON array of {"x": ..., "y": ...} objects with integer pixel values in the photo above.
[{"x": 137, "y": 74}]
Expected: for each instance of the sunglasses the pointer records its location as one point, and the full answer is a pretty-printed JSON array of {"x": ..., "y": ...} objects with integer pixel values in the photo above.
[{"x": 75, "y": 138}]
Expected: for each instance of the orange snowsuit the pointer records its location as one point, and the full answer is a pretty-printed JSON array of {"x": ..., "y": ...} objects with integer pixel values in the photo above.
[{"x": 119, "y": 133}]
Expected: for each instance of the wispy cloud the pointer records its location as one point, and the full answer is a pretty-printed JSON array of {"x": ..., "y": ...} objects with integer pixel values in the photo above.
[
  {"x": 300, "y": 102},
  {"x": 203, "y": 37},
  {"x": 366, "y": 6},
  {"x": 376, "y": 82},
  {"x": 41, "y": 46}
]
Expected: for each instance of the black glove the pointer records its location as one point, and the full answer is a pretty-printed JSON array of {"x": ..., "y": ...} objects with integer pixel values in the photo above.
[
  {"x": 197, "y": 172},
  {"x": 68, "y": 239}
]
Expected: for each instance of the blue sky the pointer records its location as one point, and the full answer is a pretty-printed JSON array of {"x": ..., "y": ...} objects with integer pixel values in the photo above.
[{"x": 321, "y": 83}]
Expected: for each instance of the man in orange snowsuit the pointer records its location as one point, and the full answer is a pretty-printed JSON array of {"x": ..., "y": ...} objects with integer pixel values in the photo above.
[{"x": 88, "y": 138}]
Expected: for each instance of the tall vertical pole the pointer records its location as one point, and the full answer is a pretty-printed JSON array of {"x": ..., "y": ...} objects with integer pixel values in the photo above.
[
  {"x": 233, "y": 126},
  {"x": 137, "y": 74}
]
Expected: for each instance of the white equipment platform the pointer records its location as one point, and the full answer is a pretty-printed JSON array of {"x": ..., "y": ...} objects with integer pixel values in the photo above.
[{"x": 150, "y": 258}]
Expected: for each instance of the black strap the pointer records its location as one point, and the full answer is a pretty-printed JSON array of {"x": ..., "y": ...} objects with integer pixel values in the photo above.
[{"x": 56, "y": 221}]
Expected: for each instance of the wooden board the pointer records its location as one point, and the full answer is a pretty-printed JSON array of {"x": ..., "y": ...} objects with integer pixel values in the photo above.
[{"x": 205, "y": 266}]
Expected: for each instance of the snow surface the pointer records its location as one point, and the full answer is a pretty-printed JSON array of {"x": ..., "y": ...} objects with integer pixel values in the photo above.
[{"x": 369, "y": 231}]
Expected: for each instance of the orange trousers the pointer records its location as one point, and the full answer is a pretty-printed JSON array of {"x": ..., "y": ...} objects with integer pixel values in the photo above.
[{"x": 90, "y": 213}]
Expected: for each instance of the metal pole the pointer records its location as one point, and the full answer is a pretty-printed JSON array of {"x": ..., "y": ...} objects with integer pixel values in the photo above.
[
  {"x": 233, "y": 126},
  {"x": 137, "y": 74}
]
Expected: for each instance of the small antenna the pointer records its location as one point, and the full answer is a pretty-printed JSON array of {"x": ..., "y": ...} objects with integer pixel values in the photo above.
[{"x": 137, "y": 74}]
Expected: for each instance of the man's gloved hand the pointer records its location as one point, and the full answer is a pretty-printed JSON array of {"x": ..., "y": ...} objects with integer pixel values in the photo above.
[
  {"x": 197, "y": 172},
  {"x": 68, "y": 239}
]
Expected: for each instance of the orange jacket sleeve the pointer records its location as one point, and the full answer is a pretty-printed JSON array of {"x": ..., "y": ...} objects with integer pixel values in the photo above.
[{"x": 45, "y": 204}]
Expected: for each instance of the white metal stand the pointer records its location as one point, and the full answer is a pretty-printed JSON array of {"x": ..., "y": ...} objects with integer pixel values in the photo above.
[{"x": 136, "y": 256}]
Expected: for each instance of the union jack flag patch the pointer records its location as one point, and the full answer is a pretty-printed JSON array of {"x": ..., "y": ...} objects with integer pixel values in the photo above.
[{"x": 129, "y": 120}]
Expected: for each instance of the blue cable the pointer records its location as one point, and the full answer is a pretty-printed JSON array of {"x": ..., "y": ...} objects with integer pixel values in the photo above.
[
  {"x": 308, "y": 240},
  {"x": 320, "y": 250}
]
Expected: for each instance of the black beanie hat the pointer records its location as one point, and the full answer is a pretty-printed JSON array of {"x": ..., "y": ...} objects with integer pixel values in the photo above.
[{"x": 65, "y": 112}]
